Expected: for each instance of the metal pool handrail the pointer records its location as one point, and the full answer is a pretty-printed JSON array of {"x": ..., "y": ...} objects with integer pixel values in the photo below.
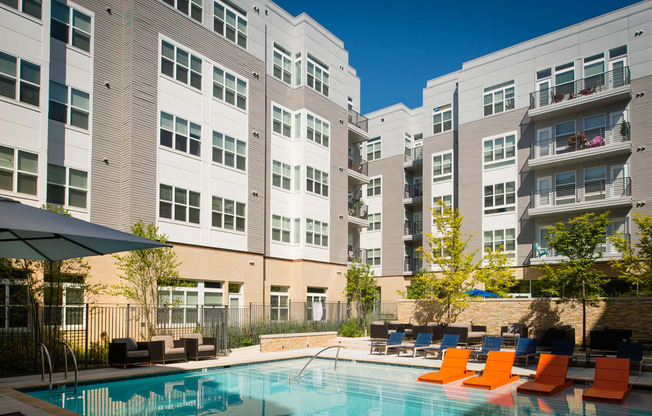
[
  {"x": 315, "y": 356},
  {"x": 47, "y": 354},
  {"x": 74, "y": 361}
]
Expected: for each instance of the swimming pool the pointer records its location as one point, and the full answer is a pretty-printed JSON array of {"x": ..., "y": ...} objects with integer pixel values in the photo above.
[{"x": 353, "y": 389}]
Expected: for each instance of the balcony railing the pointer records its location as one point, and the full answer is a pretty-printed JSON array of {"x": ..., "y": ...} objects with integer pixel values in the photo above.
[
  {"x": 357, "y": 208},
  {"x": 358, "y": 120},
  {"x": 356, "y": 253},
  {"x": 413, "y": 227},
  {"x": 413, "y": 191},
  {"x": 590, "y": 191},
  {"x": 580, "y": 88},
  {"x": 541, "y": 251},
  {"x": 413, "y": 155},
  {"x": 412, "y": 265},
  {"x": 357, "y": 164},
  {"x": 588, "y": 139}
]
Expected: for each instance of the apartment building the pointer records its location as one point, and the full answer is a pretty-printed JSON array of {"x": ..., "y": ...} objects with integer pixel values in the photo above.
[
  {"x": 517, "y": 140},
  {"x": 230, "y": 124}
]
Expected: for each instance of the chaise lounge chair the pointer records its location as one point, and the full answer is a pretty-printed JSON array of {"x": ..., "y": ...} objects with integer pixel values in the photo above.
[
  {"x": 611, "y": 381},
  {"x": 449, "y": 341},
  {"x": 497, "y": 372},
  {"x": 526, "y": 348},
  {"x": 422, "y": 341},
  {"x": 633, "y": 351},
  {"x": 394, "y": 341},
  {"x": 489, "y": 344},
  {"x": 453, "y": 368},
  {"x": 550, "y": 377}
]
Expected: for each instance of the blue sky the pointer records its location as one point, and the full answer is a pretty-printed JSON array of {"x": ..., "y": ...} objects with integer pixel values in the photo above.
[{"x": 397, "y": 46}]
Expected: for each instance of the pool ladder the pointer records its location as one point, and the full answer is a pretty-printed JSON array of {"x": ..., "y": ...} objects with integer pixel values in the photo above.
[
  {"x": 45, "y": 353},
  {"x": 315, "y": 356}
]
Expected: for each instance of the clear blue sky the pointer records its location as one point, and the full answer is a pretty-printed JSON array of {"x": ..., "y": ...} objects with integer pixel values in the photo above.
[{"x": 397, "y": 46}]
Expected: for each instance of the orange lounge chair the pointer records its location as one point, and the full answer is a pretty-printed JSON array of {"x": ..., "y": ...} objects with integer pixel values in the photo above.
[
  {"x": 453, "y": 368},
  {"x": 550, "y": 377},
  {"x": 611, "y": 382},
  {"x": 497, "y": 372}
]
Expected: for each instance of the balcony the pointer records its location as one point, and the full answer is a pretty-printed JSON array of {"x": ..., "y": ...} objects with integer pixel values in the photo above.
[
  {"x": 412, "y": 265},
  {"x": 358, "y": 127},
  {"x": 587, "y": 145},
  {"x": 358, "y": 170},
  {"x": 356, "y": 253},
  {"x": 541, "y": 254},
  {"x": 593, "y": 195},
  {"x": 593, "y": 91},
  {"x": 413, "y": 157},
  {"x": 413, "y": 194},
  {"x": 358, "y": 213}
]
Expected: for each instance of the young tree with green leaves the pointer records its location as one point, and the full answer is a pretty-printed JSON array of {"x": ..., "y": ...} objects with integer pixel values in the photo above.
[
  {"x": 575, "y": 278},
  {"x": 458, "y": 270},
  {"x": 635, "y": 265},
  {"x": 361, "y": 289}
]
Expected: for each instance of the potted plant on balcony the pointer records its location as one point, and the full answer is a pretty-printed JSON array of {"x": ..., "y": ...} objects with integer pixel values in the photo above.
[
  {"x": 624, "y": 129},
  {"x": 356, "y": 209}
]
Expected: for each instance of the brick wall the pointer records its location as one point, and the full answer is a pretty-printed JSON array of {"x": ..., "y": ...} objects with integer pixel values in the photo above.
[
  {"x": 621, "y": 313},
  {"x": 282, "y": 342}
]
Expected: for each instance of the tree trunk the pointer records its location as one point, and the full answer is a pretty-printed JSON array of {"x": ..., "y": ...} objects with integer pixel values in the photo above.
[{"x": 584, "y": 326}]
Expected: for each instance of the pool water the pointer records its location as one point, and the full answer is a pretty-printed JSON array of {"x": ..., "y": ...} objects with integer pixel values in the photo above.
[{"x": 352, "y": 389}]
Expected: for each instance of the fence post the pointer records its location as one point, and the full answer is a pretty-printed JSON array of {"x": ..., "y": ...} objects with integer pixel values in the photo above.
[
  {"x": 339, "y": 311},
  {"x": 87, "y": 322},
  {"x": 250, "y": 317},
  {"x": 127, "y": 323},
  {"x": 225, "y": 324}
]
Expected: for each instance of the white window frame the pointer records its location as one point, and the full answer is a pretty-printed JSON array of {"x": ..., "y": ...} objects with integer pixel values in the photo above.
[
  {"x": 183, "y": 132},
  {"x": 20, "y": 6},
  {"x": 281, "y": 175},
  {"x": 374, "y": 187},
  {"x": 170, "y": 308},
  {"x": 71, "y": 108},
  {"x": 499, "y": 98},
  {"x": 565, "y": 199},
  {"x": 317, "y": 130},
  {"x": 192, "y": 67},
  {"x": 283, "y": 227},
  {"x": 499, "y": 155},
  {"x": 227, "y": 209},
  {"x": 234, "y": 30},
  {"x": 67, "y": 187},
  {"x": 495, "y": 207},
  {"x": 442, "y": 167},
  {"x": 194, "y": 8},
  {"x": 374, "y": 149},
  {"x": 21, "y": 82},
  {"x": 5, "y": 305},
  {"x": 505, "y": 242},
  {"x": 375, "y": 221},
  {"x": 16, "y": 170},
  {"x": 448, "y": 200},
  {"x": 315, "y": 295},
  {"x": 229, "y": 151},
  {"x": 230, "y": 88},
  {"x": 316, "y": 231},
  {"x": 189, "y": 210},
  {"x": 71, "y": 28},
  {"x": 282, "y": 65},
  {"x": 282, "y": 121},
  {"x": 317, "y": 181},
  {"x": 319, "y": 79},
  {"x": 442, "y": 119},
  {"x": 374, "y": 257},
  {"x": 280, "y": 293}
]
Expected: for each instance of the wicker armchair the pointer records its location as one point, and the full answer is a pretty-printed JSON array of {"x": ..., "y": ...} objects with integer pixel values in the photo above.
[
  {"x": 163, "y": 348},
  {"x": 199, "y": 347},
  {"x": 126, "y": 351}
]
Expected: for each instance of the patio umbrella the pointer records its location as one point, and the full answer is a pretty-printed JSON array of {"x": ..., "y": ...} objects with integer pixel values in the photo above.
[
  {"x": 36, "y": 234},
  {"x": 481, "y": 293}
]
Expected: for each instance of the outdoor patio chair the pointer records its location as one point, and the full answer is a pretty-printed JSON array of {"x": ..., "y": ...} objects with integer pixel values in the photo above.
[
  {"x": 126, "y": 351},
  {"x": 199, "y": 347},
  {"x": 163, "y": 348},
  {"x": 513, "y": 331},
  {"x": 550, "y": 377},
  {"x": 378, "y": 330},
  {"x": 423, "y": 340},
  {"x": 611, "y": 381},
  {"x": 497, "y": 372},
  {"x": 526, "y": 348},
  {"x": 453, "y": 368},
  {"x": 449, "y": 341},
  {"x": 541, "y": 252},
  {"x": 394, "y": 341},
  {"x": 564, "y": 347},
  {"x": 633, "y": 351},
  {"x": 489, "y": 344},
  {"x": 437, "y": 331}
]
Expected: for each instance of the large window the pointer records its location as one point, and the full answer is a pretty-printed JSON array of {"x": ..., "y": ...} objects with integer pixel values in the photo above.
[
  {"x": 442, "y": 119},
  {"x": 316, "y": 181},
  {"x": 69, "y": 105},
  {"x": 374, "y": 222},
  {"x": 318, "y": 77},
  {"x": 373, "y": 257},
  {"x": 442, "y": 167},
  {"x": 282, "y": 121},
  {"x": 13, "y": 301},
  {"x": 66, "y": 302},
  {"x": 192, "y": 8},
  {"x": 182, "y": 203},
  {"x": 281, "y": 229},
  {"x": 374, "y": 187},
  {"x": 499, "y": 98},
  {"x": 181, "y": 65},
  {"x": 30, "y": 7},
  {"x": 282, "y": 64},
  {"x": 500, "y": 197},
  {"x": 500, "y": 151},
  {"x": 229, "y": 151},
  {"x": 281, "y": 175},
  {"x": 565, "y": 188},
  {"x": 18, "y": 171},
  {"x": 280, "y": 303},
  {"x": 495, "y": 239},
  {"x": 595, "y": 183},
  {"x": 446, "y": 199},
  {"x": 178, "y": 305},
  {"x": 316, "y": 233},
  {"x": 316, "y": 304},
  {"x": 180, "y": 134},
  {"x": 318, "y": 130},
  {"x": 19, "y": 79},
  {"x": 563, "y": 131},
  {"x": 78, "y": 34},
  {"x": 230, "y": 22},
  {"x": 373, "y": 149},
  {"x": 67, "y": 186},
  {"x": 229, "y": 88},
  {"x": 228, "y": 214},
  {"x": 564, "y": 77}
]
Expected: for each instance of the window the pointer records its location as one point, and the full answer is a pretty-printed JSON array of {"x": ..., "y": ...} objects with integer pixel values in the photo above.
[
  {"x": 19, "y": 79},
  {"x": 13, "y": 301},
  {"x": 442, "y": 119},
  {"x": 373, "y": 257},
  {"x": 565, "y": 188},
  {"x": 442, "y": 167},
  {"x": 229, "y": 151},
  {"x": 18, "y": 171},
  {"x": 282, "y": 64},
  {"x": 77, "y": 113},
  {"x": 231, "y": 23},
  {"x": 228, "y": 214},
  {"x": 79, "y": 35},
  {"x": 446, "y": 199},
  {"x": 496, "y": 239},
  {"x": 281, "y": 227},
  {"x": 563, "y": 131},
  {"x": 316, "y": 304},
  {"x": 67, "y": 189},
  {"x": 194, "y": 11},
  {"x": 282, "y": 121},
  {"x": 374, "y": 222},
  {"x": 594, "y": 183},
  {"x": 318, "y": 130},
  {"x": 317, "y": 77},
  {"x": 66, "y": 301},
  {"x": 230, "y": 88},
  {"x": 500, "y": 151},
  {"x": 316, "y": 233},
  {"x": 564, "y": 77},
  {"x": 499, "y": 98},
  {"x": 500, "y": 197},
  {"x": 185, "y": 203},
  {"x": 178, "y": 305},
  {"x": 180, "y": 65},
  {"x": 30, "y": 7},
  {"x": 373, "y": 149},
  {"x": 185, "y": 135},
  {"x": 281, "y": 175},
  {"x": 279, "y": 303},
  {"x": 374, "y": 188},
  {"x": 316, "y": 181}
]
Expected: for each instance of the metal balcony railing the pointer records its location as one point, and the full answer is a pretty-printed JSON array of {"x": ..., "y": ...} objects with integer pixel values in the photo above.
[
  {"x": 358, "y": 120},
  {"x": 589, "y": 191},
  {"x": 412, "y": 264},
  {"x": 588, "y": 139},
  {"x": 413, "y": 227},
  {"x": 580, "y": 88},
  {"x": 413, "y": 155},
  {"x": 357, "y": 164},
  {"x": 413, "y": 191},
  {"x": 357, "y": 208},
  {"x": 541, "y": 251},
  {"x": 356, "y": 253}
]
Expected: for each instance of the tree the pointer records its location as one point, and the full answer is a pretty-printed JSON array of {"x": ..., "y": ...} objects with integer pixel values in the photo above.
[
  {"x": 143, "y": 271},
  {"x": 635, "y": 265},
  {"x": 361, "y": 287},
  {"x": 458, "y": 269},
  {"x": 575, "y": 279}
]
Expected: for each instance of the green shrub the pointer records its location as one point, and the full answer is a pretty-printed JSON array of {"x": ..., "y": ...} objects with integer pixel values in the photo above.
[{"x": 349, "y": 328}]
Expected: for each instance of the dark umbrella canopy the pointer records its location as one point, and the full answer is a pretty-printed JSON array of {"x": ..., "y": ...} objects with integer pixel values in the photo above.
[
  {"x": 36, "y": 234},
  {"x": 481, "y": 293}
]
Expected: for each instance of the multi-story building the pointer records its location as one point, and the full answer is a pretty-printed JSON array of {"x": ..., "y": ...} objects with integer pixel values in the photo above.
[
  {"x": 518, "y": 140},
  {"x": 232, "y": 125}
]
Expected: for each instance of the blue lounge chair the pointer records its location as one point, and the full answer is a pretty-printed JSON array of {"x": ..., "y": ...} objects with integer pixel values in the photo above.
[
  {"x": 449, "y": 341},
  {"x": 526, "y": 348},
  {"x": 633, "y": 351},
  {"x": 423, "y": 341},
  {"x": 488, "y": 344},
  {"x": 394, "y": 341},
  {"x": 541, "y": 251}
]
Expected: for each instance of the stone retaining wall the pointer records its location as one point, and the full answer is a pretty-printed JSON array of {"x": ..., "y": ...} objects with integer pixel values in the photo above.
[
  {"x": 282, "y": 342},
  {"x": 621, "y": 313}
]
